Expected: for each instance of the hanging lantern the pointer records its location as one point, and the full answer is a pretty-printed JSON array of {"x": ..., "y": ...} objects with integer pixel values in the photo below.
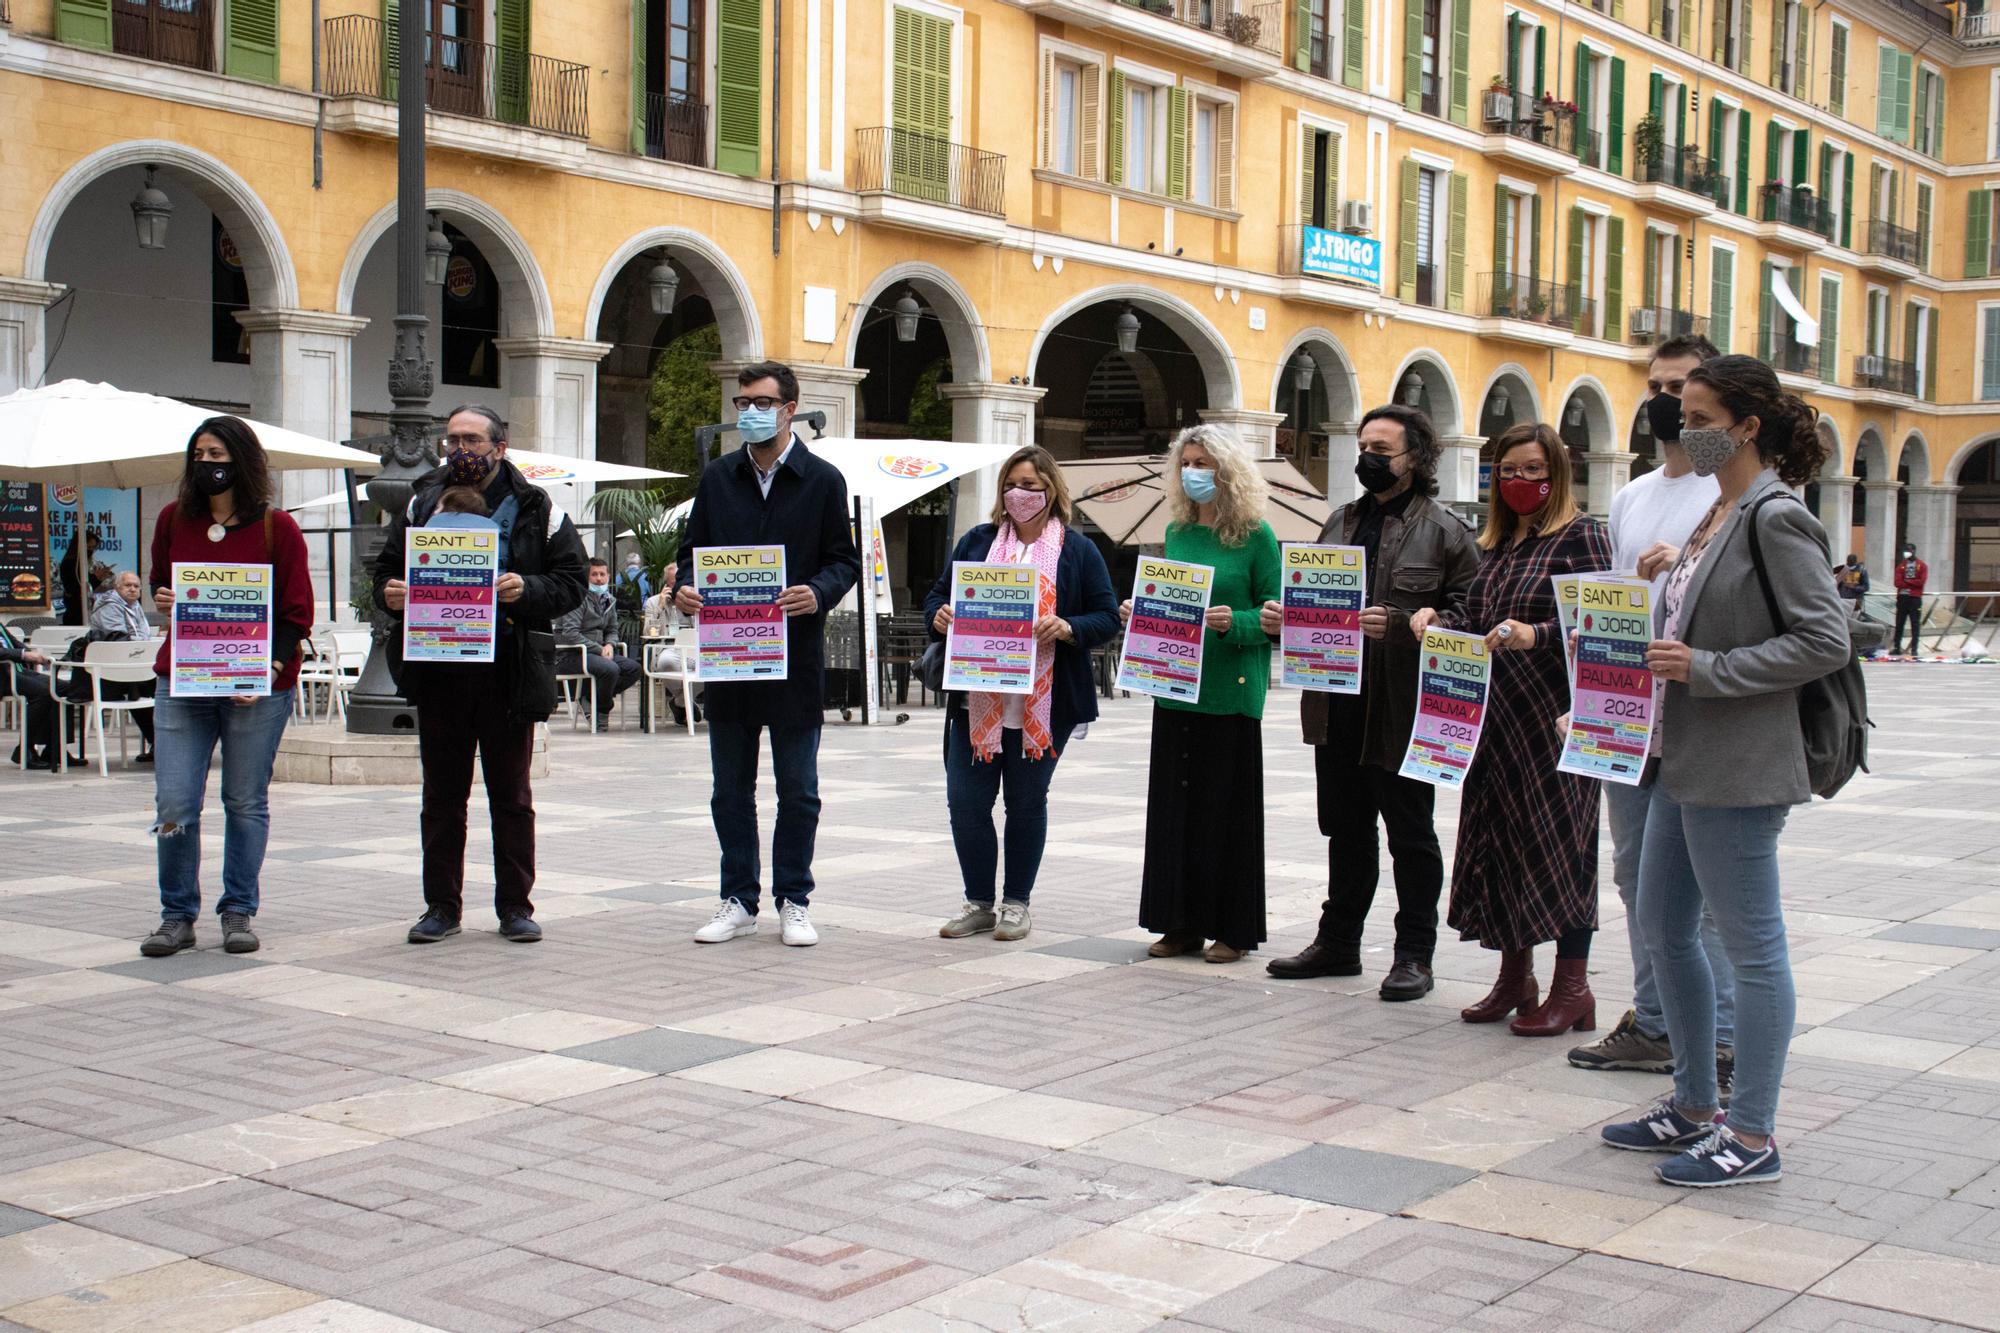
[
  {"x": 908, "y": 312},
  {"x": 1302, "y": 373},
  {"x": 1127, "y": 328},
  {"x": 661, "y": 285},
  {"x": 1501, "y": 402},
  {"x": 1574, "y": 415},
  {"x": 151, "y": 211},
  {"x": 1413, "y": 390},
  {"x": 437, "y": 253}
]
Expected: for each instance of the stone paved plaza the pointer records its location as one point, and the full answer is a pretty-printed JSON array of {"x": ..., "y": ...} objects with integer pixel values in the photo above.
[{"x": 620, "y": 1129}]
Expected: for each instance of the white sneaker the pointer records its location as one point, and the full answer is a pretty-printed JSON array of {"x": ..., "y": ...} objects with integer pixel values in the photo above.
[
  {"x": 729, "y": 921},
  {"x": 795, "y": 925}
]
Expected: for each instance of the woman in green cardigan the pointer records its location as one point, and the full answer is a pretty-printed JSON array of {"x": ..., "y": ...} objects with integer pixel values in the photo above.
[{"x": 1204, "y": 876}]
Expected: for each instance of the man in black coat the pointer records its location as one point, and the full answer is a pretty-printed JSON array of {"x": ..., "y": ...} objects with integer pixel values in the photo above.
[
  {"x": 771, "y": 492},
  {"x": 492, "y": 707}
]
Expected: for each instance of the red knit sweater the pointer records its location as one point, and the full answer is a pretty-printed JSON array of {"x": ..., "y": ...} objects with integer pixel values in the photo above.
[{"x": 180, "y": 539}]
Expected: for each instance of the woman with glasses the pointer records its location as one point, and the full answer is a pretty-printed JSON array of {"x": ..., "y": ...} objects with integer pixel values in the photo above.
[
  {"x": 1204, "y": 875},
  {"x": 1525, "y": 871}
]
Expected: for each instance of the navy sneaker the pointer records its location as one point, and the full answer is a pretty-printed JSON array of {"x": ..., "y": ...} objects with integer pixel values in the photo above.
[
  {"x": 1661, "y": 1129},
  {"x": 1722, "y": 1159}
]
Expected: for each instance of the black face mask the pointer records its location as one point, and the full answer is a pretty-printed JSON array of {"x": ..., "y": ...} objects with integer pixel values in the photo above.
[
  {"x": 214, "y": 478},
  {"x": 1663, "y": 414},
  {"x": 1375, "y": 473}
]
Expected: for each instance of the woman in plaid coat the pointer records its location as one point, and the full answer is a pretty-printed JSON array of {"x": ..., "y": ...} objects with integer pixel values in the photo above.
[{"x": 1525, "y": 871}]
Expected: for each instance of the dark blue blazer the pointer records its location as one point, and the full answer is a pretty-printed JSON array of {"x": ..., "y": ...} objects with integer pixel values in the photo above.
[{"x": 1083, "y": 598}]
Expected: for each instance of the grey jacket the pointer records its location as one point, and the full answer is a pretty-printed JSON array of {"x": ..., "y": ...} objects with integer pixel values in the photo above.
[
  {"x": 593, "y": 621},
  {"x": 1731, "y": 734}
]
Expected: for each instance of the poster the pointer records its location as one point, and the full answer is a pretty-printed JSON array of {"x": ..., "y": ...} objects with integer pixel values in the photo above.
[
  {"x": 1324, "y": 589},
  {"x": 221, "y": 630},
  {"x": 452, "y": 568},
  {"x": 112, "y": 513},
  {"x": 1163, "y": 641},
  {"x": 1567, "y": 588},
  {"x": 1453, "y": 673},
  {"x": 740, "y": 629},
  {"x": 24, "y": 546},
  {"x": 991, "y": 644},
  {"x": 1612, "y": 695}
]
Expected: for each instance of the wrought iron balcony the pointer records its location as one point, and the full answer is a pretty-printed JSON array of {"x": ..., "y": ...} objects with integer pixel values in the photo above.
[
  {"x": 1261, "y": 27},
  {"x": 1890, "y": 241},
  {"x": 924, "y": 167},
  {"x": 1589, "y": 146},
  {"x": 676, "y": 129},
  {"x": 464, "y": 78},
  {"x": 1790, "y": 356},
  {"x": 182, "y": 34},
  {"x": 1796, "y": 206},
  {"x": 1885, "y": 373},
  {"x": 1523, "y": 116},
  {"x": 1685, "y": 169},
  {"x": 1537, "y": 300},
  {"x": 1657, "y": 323}
]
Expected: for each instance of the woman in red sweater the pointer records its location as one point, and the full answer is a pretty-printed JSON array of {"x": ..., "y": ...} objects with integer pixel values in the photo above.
[{"x": 223, "y": 515}]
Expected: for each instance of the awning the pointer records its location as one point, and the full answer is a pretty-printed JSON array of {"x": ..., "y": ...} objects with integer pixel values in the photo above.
[{"x": 1805, "y": 329}]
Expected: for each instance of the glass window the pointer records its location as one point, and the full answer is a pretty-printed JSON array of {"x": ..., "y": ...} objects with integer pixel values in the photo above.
[
  {"x": 1202, "y": 187},
  {"x": 1139, "y": 100},
  {"x": 1064, "y": 133},
  {"x": 1989, "y": 353}
]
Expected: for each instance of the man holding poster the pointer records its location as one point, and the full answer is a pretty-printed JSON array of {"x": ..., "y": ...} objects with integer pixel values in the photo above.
[
  {"x": 1416, "y": 554},
  {"x": 770, "y": 493}
]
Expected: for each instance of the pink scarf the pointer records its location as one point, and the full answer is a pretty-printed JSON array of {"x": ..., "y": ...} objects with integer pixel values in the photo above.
[{"x": 987, "y": 710}]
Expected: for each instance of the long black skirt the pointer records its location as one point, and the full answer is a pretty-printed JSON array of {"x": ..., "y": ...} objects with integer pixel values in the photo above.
[{"x": 1205, "y": 828}]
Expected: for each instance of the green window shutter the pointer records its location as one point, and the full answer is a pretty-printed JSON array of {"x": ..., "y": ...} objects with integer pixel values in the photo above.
[
  {"x": 1673, "y": 300},
  {"x": 1829, "y": 330},
  {"x": 1989, "y": 354},
  {"x": 1615, "y": 152},
  {"x": 1302, "y": 42},
  {"x": 1801, "y": 156},
  {"x": 1657, "y": 18},
  {"x": 1406, "y": 236},
  {"x": 1836, "y": 79},
  {"x": 739, "y": 86},
  {"x": 1924, "y": 227},
  {"x": 1743, "y": 163},
  {"x": 1503, "y": 255},
  {"x": 1614, "y": 279},
  {"x": 1354, "y": 41},
  {"x": 1885, "y": 91},
  {"x": 1721, "y": 298},
  {"x": 1978, "y": 225},
  {"x": 1777, "y": 40},
  {"x": 1764, "y": 302},
  {"x": 1582, "y": 89},
  {"x": 1681, "y": 116},
  {"x": 1454, "y": 244},
  {"x": 1718, "y": 30},
  {"x": 1921, "y": 139},
  {"x": 1618, "y": 10},
  {"x": 1904, "y": 65},
  {"x": 1715, "y": 135},
  {"x": 1577, "y": 222},
  {"x": 1413, "y": 55},
  {"x": 1774, "y": 155},
  {"x": 511, "y": 24},
  {"x": 1847, "y": 201},
  {"x": 1461, "y": 59},
  {"x": 1541, "y": 61},
  {"x": 1177, "y": 144},
  {"x": 1825, "y": 172},
  {"x": 392, "y": 50},
  {"x": 1931, "y": 354},
  {"x": 1911, "y": 314},
  {"x": 1514, "y": 52},
  {"x": 1329, "y": 188},
  {"x": 1308, "y": 176},
  {"x": 250, "y": 39},
  {"x": 1115, "y": 132},
  {"x": 1656, "y": 95},
  {"x": 638, "y": 126},
  {"x": 1649, "y": 271},
  {"x": 84, "y": 23},
  {"x": 1535, "y": 239}
]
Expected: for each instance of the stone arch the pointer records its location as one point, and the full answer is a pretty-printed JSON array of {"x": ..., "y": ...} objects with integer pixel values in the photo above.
[
  {"x": 971, "y": 357},
  {"x": 721, "y": 282},
  {"x": 1916, "y": 456},
  {"x": 525, "y": 303},
  {"x": 1516, "y": 379},
  {"x": 1835, "y": 463},
  {"x": 1330, "y": 359},
  {"x": 1438, "y": 385},
  {"x": 1203, "y": 339},
  {"x": 1966, "y": 453},
  {"x": 1588, "y": 392},
  {"x": 267, "y": 263},
  {"x": 1870, "y": 453}
]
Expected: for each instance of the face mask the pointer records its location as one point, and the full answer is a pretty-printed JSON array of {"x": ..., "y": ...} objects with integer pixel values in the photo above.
[
  {"x": 1663, "y": 414},
  {"x": 1024, "y": 505},
  {"x": 1198, "y": 484},
  {"x": 465, "y": 468},
  {"x": 213, "y": 478},
  {"x": 1523, "y": 495},
  {"x": 1708, "y": 450},
  {"x": 1375, "y": 473},
  {"x": 759, "y": 425},
  {"x": 601, "y": 591},
  {"x": 632, "y": 565}
]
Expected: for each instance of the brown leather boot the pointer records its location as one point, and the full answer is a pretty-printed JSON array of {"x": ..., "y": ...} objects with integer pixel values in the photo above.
[
  {"x": 1515, "y": 988},
  {"x": 1570, "y": 1004}
]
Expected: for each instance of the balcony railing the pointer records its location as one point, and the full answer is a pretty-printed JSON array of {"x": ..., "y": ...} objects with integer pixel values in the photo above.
[
  {"x": 1537, "y": 300},
  {"x": 464, "y": 78},
  {"x": 1684, "y": 169},
  {"x": 1978, "y": 29},
  {"x": 1893, "y": 242},
  {"x": 1657, "y": 323},
  {"x": 1792, "y": 357},
  {"x": 1261, "y": 27},
  {"x": 176, "y": 34},
  {"x": 1522, "y": 116},
  {"x": 1886, "y": 373},
  {"x": 1798, "y": 207},
  {"x": 923, "y": 166},
  {"x": 1589, "y": 146},
  {"x": 1429, "y": 289},
  {"x": 676, "y": 129}
]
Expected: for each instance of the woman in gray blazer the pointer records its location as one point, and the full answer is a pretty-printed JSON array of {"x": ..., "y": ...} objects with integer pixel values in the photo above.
[{"x": 1731, "y": 763}]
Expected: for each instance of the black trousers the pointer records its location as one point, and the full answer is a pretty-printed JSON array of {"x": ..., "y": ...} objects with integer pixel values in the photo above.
[
  {"x": 34, "y": 687},
  {"x": 1909, "y": 610},
  {"x": 1352, "y": 797},
  {"x": 460, "y": 714}
]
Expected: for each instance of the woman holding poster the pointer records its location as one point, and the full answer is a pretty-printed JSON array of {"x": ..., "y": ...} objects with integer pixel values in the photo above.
[
  {"x": 1008, "y": 743},
  {"x": 222, "y": 534},
  {"x": 1525, "y": 870},
  {"x": 1204, "y": 876}
]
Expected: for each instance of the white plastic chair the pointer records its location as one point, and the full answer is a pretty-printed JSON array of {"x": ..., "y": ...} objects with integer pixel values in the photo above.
[
  {"x": 686, "y": 644},
  {"x": 567, "y": 681},
  {"x": 129, "y": 663},
  {"x": 350, "y": 655},
  {"x": 16, "y": 707},
  {"x": 55, "y": 639},
  {"x": 319, "y": 667}
]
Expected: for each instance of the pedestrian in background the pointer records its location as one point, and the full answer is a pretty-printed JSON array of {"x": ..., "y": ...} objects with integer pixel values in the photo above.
[
  {"x": 1911, "y": 576},
  {"x": 587, "y": 637}
]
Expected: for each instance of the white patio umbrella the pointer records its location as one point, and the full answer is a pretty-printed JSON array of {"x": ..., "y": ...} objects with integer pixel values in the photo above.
[
  {"x": 546, "y": 470},
  {"x": 1126, "y": 498}
]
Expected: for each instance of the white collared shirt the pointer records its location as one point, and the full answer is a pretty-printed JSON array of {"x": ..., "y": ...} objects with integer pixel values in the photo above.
[{"x": 764, "y": 479}]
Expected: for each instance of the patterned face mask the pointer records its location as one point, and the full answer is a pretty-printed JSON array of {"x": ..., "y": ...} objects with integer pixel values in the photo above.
[{"x": 1708, "y": 450}]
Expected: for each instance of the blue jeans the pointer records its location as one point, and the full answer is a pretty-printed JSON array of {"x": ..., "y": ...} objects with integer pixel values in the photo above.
[
  {"x": 732, "y": 752},
  {"x": 185, "y": 733},
  {"x": 970, "y": 789},
  {"x": 1727, "y": 859},
  {"x": 1627, "y": 807}
]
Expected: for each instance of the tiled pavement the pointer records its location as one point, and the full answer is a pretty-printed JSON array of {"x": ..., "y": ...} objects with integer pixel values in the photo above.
[{"x": 618, "y": 1129}]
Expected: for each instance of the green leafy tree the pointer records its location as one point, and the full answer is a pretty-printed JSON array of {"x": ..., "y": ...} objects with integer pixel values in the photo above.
[
  {"x": 930, "y": 411},
  {"x": 683, "y": 396}
]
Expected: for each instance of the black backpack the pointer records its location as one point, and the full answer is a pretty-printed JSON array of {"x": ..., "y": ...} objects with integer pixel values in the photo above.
[{"x": 1833, "y": 710}]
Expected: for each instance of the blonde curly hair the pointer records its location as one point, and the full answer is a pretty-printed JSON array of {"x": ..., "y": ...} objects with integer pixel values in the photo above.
[{"x": 1241, "y": 493}]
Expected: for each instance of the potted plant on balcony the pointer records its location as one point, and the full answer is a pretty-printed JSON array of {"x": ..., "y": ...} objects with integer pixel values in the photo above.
[
  {"x": 1243, "y": 29},
  {"x": 1503, "y": 295},
  {"x": 1538, "y": 305},
  {"x": 1649, "y": 143}
]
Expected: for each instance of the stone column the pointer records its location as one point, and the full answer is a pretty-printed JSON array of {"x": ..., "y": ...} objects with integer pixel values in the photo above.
[
  {"x": 1879, "y": 514},
  {"x": 1342, "y": 448},
  {"x": 551, "y": 388},
  {"x": 830, "y": 389},
  {"x": 1934, "y": 532},
  {"x": 1610, "y": 469},
  {"x": 23, "y": 338},
  {"x": 1458, "y": 468},
  {"x": 984, "y": 413},
  {"x": 1836, "y": 513},
  {"x": 1258, "y": 430}
]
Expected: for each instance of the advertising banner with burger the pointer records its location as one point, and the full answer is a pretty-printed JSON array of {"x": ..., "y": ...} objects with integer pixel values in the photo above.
[
  {"x": 112, "y": 514},
  {"x": 24, "y": 547}
]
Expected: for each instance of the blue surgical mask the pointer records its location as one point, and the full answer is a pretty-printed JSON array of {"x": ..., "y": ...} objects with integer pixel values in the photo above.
[
  {"x": 603, "y": 592},
  {"x": 1198, "y": 484},
  {"x": 757, "y": 425}
]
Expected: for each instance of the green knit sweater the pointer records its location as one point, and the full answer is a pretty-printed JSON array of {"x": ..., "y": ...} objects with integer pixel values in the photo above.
[{"x": 1236, "y": 666}]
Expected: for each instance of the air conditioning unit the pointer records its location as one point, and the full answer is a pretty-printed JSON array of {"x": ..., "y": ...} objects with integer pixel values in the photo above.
[
  {"x": 1358, "y": 216},
  {"x": 1645, "y": 322},
  {"x": 1868, "y": 366}
]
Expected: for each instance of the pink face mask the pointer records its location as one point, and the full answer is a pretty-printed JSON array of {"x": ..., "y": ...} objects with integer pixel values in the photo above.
[{"x": 1024, "y": 505}]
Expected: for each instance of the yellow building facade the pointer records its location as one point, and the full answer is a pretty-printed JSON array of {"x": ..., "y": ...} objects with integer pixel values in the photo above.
[{"x": 1087, "y": 222}]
